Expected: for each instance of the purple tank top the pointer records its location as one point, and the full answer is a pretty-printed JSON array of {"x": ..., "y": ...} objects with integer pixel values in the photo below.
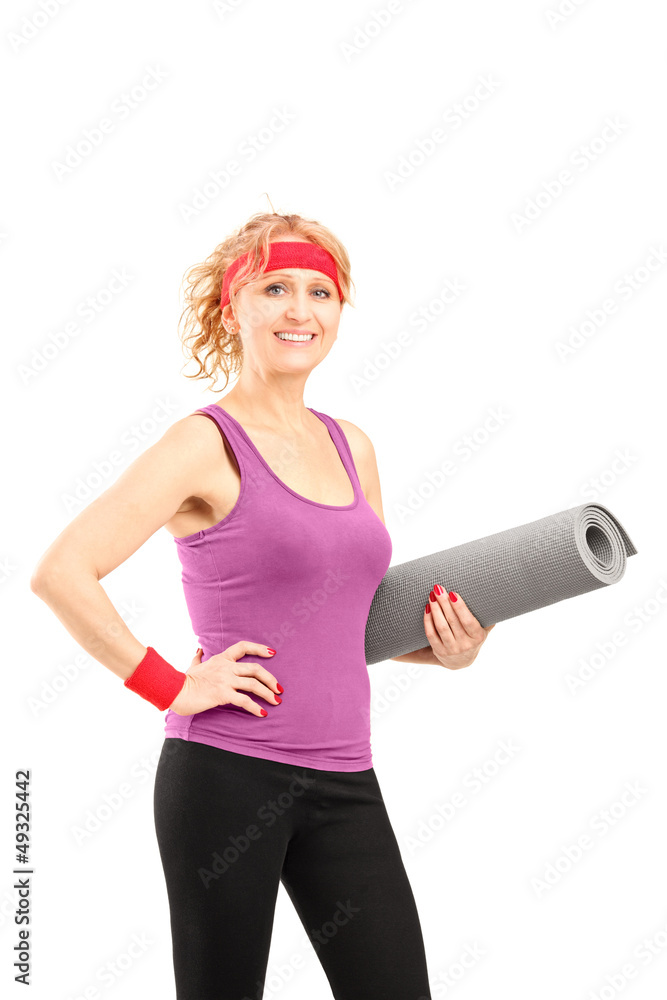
[{"x": 299, "y": 576}]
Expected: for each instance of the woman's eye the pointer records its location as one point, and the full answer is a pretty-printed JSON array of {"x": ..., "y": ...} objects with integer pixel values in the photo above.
[{"x": 327, "y": 293}]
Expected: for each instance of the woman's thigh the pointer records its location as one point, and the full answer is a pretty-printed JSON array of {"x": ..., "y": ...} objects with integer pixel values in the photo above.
[
  {"x": 345, "y": 876},
  {"x": 222, "y": 838}
]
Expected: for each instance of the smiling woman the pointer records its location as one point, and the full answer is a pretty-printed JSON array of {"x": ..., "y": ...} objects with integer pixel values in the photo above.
[
  {"x": 282, "y": 543},
  {"x": 273, "y": 559},
  {"x": 210, "y": 333}
]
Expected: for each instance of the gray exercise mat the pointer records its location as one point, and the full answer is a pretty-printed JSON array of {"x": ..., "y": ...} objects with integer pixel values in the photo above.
[{"x": 500, "y": 576}]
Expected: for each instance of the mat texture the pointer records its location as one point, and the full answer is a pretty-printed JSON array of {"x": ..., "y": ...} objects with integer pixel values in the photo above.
[{"x": 501, "y": 576}]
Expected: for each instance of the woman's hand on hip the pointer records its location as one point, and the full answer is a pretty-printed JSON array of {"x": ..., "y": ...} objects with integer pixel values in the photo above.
[
  {"x": 454, "y": 633},
  {"x": 220, "y": 680}
]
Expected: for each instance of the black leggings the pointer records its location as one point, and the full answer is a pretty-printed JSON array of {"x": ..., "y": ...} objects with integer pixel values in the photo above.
[{"x": 231, "y": 827}]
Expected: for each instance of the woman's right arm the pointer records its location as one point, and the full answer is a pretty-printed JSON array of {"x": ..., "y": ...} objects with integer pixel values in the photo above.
[{"x": 111, "y": 528}]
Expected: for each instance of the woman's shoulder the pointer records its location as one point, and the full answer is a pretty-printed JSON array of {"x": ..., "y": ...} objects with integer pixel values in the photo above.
[
  {"x": 361, "y": 447},
  {"x": 197, "y": 439},
  {"x": 365, "y": 461},
  {"x": 355, "y": 435}
]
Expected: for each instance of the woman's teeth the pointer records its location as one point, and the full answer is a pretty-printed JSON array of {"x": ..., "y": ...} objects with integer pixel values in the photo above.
[{"x": 295, "y": 336}]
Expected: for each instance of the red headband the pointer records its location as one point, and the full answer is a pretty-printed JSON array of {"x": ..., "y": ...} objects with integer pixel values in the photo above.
[{"x": 287, "y": 253}]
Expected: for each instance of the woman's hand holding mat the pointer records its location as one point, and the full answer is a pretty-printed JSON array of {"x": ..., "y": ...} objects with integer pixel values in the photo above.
[
  {"x": 454, "y": 634},
  {"x": 502, "y": 575}
]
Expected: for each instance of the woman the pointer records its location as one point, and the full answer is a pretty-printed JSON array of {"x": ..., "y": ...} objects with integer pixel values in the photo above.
[{"x": 265, "y": 774}]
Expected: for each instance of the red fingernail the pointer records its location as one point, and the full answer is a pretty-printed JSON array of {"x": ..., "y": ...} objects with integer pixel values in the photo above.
[
  {"x": 438, "y": 589},
  {"x": 271, "y": 650},
  {"x": 279, "y": 700},
  {"x": 280, "y": 687},
  {"x": 452, "y": 595},
  {"x": 263, "y": 711},
  {"x": 432, "y": 596},
  {"x": 428, "y": 609}
]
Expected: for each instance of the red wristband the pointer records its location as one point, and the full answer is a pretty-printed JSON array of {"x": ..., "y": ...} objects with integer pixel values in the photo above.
[{"x": 156, "y": 680}]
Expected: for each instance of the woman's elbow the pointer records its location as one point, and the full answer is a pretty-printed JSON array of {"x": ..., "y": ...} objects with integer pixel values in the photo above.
[
  {"x": 41, "y": 579},
  {"x": 48, "y": 576}
]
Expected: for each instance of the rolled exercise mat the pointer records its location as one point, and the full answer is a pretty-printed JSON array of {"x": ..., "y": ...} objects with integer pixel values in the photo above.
[{"x": 500, "y": 576}]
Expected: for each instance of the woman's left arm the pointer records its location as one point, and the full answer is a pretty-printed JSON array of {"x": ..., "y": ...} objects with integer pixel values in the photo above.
[{"x": 454, "y": 634}]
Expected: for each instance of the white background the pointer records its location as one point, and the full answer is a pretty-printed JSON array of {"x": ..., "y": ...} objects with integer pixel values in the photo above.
[{"x": 360, "y": 98}]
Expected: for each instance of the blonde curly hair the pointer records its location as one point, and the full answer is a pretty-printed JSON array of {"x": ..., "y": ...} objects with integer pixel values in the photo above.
[{"x": 205, "y": 337}]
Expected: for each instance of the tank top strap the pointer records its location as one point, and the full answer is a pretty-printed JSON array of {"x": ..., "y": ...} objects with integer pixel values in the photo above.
[
  {"x": 235, "y": 435},
  {"x": 342, "y": 445},
  {"x": 251, "y": 462}
]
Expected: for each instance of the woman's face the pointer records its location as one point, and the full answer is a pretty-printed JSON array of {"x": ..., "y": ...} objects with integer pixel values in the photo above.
[{"x": 292, "y": 300}]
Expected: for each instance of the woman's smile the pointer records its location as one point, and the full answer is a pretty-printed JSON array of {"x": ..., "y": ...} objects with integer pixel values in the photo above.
[{"x": 294, "y": 337}]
